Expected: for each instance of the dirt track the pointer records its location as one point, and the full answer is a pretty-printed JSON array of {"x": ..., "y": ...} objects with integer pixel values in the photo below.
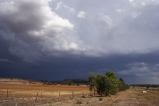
[{"x": 131, "y": 97}]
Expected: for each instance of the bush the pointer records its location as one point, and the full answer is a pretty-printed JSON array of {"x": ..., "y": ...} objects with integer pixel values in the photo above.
[
  {"x": 106, "y": 84},
  {"x": 122, "y": 85},
  {"x": 100, "y": 99},
  {"x": 78, "y": 102}
]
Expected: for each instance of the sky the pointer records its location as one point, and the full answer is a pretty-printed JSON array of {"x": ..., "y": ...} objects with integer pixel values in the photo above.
[{"x": 68, "y": 39}]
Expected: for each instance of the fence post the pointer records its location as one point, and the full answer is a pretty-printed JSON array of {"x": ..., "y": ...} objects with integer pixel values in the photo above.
[
  {"x": 59, "y": 95},
  {"x": 83, "y": 94},
  {"x": 7, "y": 93},
  {"x": 72, "y": 94},
  {"x": 36, "y": 98},
  {"x": 16, "y": 104},
  {"x": 41, "y": 93},
  {"x": 94, "y": 91}
]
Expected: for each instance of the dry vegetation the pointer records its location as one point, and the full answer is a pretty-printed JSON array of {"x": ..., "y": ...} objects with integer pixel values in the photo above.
[
  {"x": 24, "y": 93},
  {"x": 31, "y": 89}
]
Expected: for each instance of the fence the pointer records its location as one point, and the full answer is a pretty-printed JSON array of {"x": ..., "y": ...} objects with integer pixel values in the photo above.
[{"x": 9, "y": 97}]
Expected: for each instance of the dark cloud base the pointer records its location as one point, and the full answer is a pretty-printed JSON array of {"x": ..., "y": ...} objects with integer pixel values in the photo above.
[{"x": 59, "y": 68}]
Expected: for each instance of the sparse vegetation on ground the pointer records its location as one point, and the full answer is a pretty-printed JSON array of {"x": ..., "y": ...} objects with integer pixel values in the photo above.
[{"x": 37, "y": 94}]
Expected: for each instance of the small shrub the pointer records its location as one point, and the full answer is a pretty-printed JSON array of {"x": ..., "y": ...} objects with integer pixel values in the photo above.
[
  {"x": 78, "y": 102},
  {"x": 100, "y": 99},
  {"x": 83, "y": 96}
]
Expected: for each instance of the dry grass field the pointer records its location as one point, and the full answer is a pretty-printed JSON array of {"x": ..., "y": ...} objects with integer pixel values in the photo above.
[
  {"x": 23, "y": 88},
  {"x": 24, "y": 93}
]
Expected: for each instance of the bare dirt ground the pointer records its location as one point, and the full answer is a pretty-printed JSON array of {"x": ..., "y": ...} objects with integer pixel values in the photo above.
[
  {"x": 131, "y": 97},
  {"x": 26, "y": 94}
]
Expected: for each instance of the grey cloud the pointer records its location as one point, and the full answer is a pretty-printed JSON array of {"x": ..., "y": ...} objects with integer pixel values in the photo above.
[
  {"x": 142, "y": 72},
  {"x": 117, "y": 27},
  {"x": 114, "y": 34},
  {"x": 32, "y": 29},
  {"x": 4, "y": 60}
]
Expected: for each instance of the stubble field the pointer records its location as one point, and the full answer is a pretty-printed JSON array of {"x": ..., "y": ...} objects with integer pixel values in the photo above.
[{"x": 24, "y": 93}]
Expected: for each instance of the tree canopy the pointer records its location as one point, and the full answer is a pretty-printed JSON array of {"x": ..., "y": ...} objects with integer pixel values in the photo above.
[{"x": 106, "y": 84}]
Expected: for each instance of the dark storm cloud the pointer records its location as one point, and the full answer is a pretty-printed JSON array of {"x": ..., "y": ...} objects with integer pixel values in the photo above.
[
  {"x": 30, "y": 27},
  {"x": 57, "y": 68},
  {"x": 66, "y": 39},
  {"x": 121, "y": 27}
]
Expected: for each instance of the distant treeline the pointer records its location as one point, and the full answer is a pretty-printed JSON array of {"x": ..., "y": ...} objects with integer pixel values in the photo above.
[
  {"x": 145, "y": 85},
  {"x": 67, "y": 82}
]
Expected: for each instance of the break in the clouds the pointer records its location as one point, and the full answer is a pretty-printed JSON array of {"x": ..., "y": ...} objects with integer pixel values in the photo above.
[{"x": 35, "y": 30}]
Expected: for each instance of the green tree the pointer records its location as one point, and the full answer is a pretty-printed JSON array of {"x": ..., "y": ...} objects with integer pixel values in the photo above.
[
  {"x": 113, "y": 83},
  {"x": 122, "y": 85},
  {"x": 91, "y": 80},
  {"x": 100, "y": 84},
  {"x": 106, "y": 84}
]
